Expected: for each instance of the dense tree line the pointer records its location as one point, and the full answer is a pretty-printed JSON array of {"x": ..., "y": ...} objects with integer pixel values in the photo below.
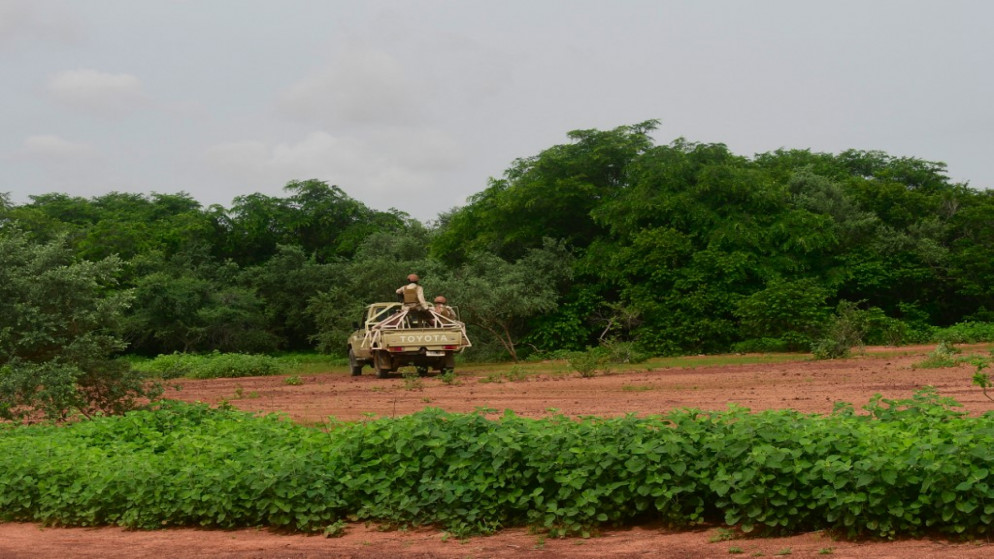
[{"x": 676, "y": 248}]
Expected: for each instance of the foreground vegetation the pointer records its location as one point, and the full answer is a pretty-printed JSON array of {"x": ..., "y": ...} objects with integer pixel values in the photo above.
[{"x": 906, "y": 467}]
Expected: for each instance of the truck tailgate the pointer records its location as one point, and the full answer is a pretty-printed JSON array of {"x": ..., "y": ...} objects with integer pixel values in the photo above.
[{"x": 413, "y": 339}]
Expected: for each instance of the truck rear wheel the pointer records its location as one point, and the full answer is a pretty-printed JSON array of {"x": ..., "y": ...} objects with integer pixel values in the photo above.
[
  {"x": 381, "y": 360},
  {"x": 354, "y": 366}
]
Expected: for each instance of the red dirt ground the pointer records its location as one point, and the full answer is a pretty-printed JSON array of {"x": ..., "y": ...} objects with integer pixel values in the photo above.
[{"x": 808, "y": 386}]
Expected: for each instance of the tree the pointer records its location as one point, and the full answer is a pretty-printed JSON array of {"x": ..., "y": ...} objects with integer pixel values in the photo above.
[
  {"x": 381, "y": 265},
  {"x": 549, "y": 195},
  {"x": 500, "y": 296},
  {"x": 791, "y": 311},
  {"x": 191, "y": 303},
  {"x": 286, "y": 283},
  {"x": 58, "y": 333}
]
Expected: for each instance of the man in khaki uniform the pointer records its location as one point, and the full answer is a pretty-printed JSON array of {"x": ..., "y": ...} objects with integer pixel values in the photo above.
[
  {"x": 413, "y": 295},
  {"x": 442, "y": 309}
]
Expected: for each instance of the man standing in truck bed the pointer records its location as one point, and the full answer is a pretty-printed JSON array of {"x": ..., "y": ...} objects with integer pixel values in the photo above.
[{"x": 413, "y": 295}]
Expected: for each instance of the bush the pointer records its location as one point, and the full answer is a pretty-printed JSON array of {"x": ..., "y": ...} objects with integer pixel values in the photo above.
[
  {"x": 214, "y": 365},
  {"x": 850, "y": 327},
  {"x": 623, "y": 353},
  {"x": 944, "y": 355},
  {"x": 588, "y": 363},
  {"x": 761, "y": 345},
  {"x": 59, "y": 320},
  {"x": 966, "y": 333}
]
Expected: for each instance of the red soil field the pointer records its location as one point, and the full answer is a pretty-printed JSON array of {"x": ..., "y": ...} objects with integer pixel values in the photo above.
[{"x": 807, "y": 386}]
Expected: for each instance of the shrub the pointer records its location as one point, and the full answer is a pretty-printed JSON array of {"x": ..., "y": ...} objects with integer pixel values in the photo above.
[
  {"x": 59, "y": 320},
  {"x": 848, "y": 328},
  {"x": 761, "y": 345},
  {"x": 944, "y": 355},
  {"x": 966, "y": 333},
  {"x": 588, "y": 363},
  {"x": 621, "y": 353},
  {"x": 214, "y": 365}
]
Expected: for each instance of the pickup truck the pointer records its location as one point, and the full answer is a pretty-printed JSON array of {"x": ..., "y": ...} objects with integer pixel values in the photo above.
[{"x": 391, "y": 336}]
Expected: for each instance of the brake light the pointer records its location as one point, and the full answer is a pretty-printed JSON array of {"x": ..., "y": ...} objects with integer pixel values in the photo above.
[{"x": 395, "y": 349}]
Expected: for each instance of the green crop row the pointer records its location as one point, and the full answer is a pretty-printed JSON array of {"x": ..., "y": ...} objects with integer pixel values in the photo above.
[{"x": 905, "y": 467}]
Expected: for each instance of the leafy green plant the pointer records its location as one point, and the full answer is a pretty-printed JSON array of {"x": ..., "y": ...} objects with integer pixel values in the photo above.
[
  {"x": 721, "y": 535},
  {"x": 588, "y": 363},
  {"x": 335, "y": 529},
  {"x": 968, "y": 332},
  {"x": 847, "y": 328},
  {"x": 907, "y": 467},
  {"x": 944, "y": 355},
  {"x": 516, "y": 373},
  {"x": 980, "y": 378},
  {"x": 449, "y": 378},
  {"x": 293, "y": 380},
  {"x": 493, "y": 377},
  {"x": 620, "y": 352},
  {"x": 213, "y": 365}
]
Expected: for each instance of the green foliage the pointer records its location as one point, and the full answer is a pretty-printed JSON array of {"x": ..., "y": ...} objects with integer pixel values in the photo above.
[
  {"x": 213, "y": 365},
  {"x": 847, "y": 328},
  {"x": 449, "y": 378},
  {"x": 678, "y": 248},
  {"x": 763, "y": 345},
  {"x": 412, "y": 381},
  {"x": 601, "y": 359},
  {"x": 320, "y": 219},
  {"x": 980, "y": 378},
  {"x": 285, "y": 284},
  {"x": 381, "y": 264},
  {"x": 58, "y": 320},
  {"x": 499, "y": 297},
  {"x": 624, "y": 353},
  {"x": 906, "y": 468},
  {"x": 588, "y": 363},
  {"x": 968, "y": 332},
  {"x": 944, "y": 355},
  {"x": 515, "y": 374},
  {"x": 191, "y": 303},
  {"x": 792, "y": 310}
]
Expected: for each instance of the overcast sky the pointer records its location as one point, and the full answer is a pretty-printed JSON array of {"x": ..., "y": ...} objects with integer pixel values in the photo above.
[{"x": 415, "y": 104}]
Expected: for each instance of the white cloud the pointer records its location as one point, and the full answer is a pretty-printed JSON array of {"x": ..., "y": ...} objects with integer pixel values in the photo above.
[
  {"x": 101, "y": 93},
  {"x": 381, "y": 169},
  {"x": 26, "y": 19},
  {"x": 55, "y": 148},
  {"x": 362, "y": 86}
]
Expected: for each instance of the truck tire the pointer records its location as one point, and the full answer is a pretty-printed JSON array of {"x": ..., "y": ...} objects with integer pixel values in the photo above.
[
  {"x": 381, "y": 360},
  {"x": 354, "y": 365}
]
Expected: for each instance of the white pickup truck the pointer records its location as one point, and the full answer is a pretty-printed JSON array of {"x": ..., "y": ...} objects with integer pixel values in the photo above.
[{"x": 391, "y": 336}]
